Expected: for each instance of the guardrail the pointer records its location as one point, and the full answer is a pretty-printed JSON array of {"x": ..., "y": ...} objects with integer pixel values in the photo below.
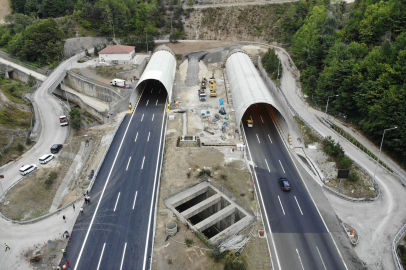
[{"x": 395, "y": 243}]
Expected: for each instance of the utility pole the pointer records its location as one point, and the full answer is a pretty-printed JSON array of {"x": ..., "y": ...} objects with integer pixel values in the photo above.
[
  {"x": 379, "y": 156},
  {"x": 146, "y": 40}
]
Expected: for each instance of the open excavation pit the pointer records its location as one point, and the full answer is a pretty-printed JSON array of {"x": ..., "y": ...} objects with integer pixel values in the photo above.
[{"x": 206, "y": 209}]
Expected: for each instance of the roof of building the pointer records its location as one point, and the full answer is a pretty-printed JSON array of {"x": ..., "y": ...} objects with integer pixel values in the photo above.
[{"x": 115, "y": 49}]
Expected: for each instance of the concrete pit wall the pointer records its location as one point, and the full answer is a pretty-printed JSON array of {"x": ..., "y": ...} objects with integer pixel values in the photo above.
[
  {"x": 72, "y": 97},
  {"x": 94, "y": 89}
]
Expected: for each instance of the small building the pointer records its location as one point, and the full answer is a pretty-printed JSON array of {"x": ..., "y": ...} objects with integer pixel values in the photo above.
[{"x": 117, "y": 54}]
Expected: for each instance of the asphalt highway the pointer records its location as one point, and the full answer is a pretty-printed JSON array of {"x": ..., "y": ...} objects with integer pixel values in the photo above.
[
  {"x": 297, "y": 235},
  {"x": 116, "y": 229}
]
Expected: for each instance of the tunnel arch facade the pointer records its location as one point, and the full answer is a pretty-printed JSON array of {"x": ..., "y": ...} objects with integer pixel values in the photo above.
[
  {"x": 161, "y": 67},
  {"x": 246, "y": 85}
]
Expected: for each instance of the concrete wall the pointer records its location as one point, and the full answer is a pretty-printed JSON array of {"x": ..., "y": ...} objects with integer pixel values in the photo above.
[
  {"x": 72, "y": 97},
  {"x": 93, "y": 89},
  {"x": 18, "y": 75},
  {"x": 133, "y": 72}
]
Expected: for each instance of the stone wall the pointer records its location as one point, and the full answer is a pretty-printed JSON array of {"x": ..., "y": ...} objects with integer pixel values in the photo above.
[
  {"x": 70, "y": 46},
  {"x": 92, "y": 88}
]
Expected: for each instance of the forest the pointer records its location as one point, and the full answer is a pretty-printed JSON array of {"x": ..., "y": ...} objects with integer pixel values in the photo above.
[
  {"x": 35, "y": 31},
  {"x": 359, "y": 54}
]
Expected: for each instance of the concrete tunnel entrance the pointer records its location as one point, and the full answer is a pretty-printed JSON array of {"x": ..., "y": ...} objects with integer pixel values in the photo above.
[
  {"x": 160, "y": 70},
  {"x": 260, "y": 108}
]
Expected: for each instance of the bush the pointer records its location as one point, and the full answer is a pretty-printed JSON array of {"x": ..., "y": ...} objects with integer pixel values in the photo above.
[
  {"x": 345, "y": 163},
  {"x": 216, "y": 255},
  {"x": 231, "y": 262},
  {"x": 189, "y": 242},
  {"x": 353, "y": 176},
  {"x": 223, "y": 176},
  {"x": 51, "y": 178},
  {"x": 331, "y": 148},
  {"x": 75, "y": 118},
  {"x": 204, "y": 172},
  {"x": 20, "y": 147},
  {"x": 28, "y": 141}
]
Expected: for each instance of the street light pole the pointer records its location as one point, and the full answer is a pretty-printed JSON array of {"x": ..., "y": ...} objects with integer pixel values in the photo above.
[
  {"x": 380, "y": 151},
  {"x": 325, "y": 117}
]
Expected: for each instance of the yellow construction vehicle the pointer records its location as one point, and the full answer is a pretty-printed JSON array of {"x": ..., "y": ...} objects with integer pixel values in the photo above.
[{"x": 212, "y": 86}]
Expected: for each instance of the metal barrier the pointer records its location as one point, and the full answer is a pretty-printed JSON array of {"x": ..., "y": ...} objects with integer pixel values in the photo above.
[{"x": 395, "y": 243}]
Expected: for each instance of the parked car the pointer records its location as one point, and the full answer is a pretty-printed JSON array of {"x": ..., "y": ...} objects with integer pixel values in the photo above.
[
  {"x": 56, "y": 148},
  {"x": 285, "y": 184},
  {"x": 26, "y": 169}
]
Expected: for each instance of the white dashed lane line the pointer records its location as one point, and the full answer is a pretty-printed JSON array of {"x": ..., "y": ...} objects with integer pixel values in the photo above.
[
  {"x": 118, "y": 197},
  {"x": 128, "y": 163}
]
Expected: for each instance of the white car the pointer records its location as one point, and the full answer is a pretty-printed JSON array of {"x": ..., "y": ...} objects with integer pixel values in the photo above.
[
  {"x": 26, "y": 169},
  {"x": 46, "y": 158}
]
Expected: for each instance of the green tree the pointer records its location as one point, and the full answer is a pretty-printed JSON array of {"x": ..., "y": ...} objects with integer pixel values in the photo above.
[
  {"x": 20, "y": 147},
  {"x": 270, "y": 61},
  {"x": 231, "y": 262},
  {"x": 75, "y": 118}
]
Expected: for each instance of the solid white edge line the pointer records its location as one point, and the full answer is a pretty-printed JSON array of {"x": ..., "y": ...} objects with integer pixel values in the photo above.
[
  {"x": 297, "y": 251},
  {"x": 270, "y": 138},
  {"x": 101, "y": 196},
  {"x": 153, "y": 117},
  {"x": 101, "y": 256},
  {"x": 128, "y": 163},
  {"x": 122, "y": 259},
  {"x": 311, "y": 197},
  {"x": 136, "y": 136},
  {"x": 266, "y": 215},
  {"x": 267, "y": 165},
  {"x": 135, "y": 198},
  {"x": 149, "y": 133},
  {"x": 142, "y": 166},
  {"x": 118, "y": 197},
  {"x": 153, "y": 193},
  {"x": 281, "y": 205},
  {"x": 321, "y": 258},
  {"x": 261, "y": 118},
  {"x": 298, "y": 206},
  {"x": 258, "y": 138},
  {"x": 147, "y": 103},
  {"x": 142, "y": 117},
  {"x": 282, "y": 166}
]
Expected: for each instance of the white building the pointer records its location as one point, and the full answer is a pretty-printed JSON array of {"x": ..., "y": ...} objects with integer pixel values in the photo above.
[{"x": 117, "y": 54}]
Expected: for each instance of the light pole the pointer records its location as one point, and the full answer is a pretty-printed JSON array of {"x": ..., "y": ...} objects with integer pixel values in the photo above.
[
  {"x": 380, "y": 150},
  {"x": 325, "y": 117}
]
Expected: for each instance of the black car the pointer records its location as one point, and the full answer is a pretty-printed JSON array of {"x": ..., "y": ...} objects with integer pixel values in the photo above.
[
  {"x": 56, "y": 148},
  {"x": 284, "y": 184}
]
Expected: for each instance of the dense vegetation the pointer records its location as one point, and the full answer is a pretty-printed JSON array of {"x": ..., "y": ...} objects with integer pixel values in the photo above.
[
  {"x": 270, "y": 62},
  {"x": 360, "y": 57}
]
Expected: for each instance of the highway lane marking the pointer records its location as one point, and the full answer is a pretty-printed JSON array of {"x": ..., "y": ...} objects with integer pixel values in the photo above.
[
  {"x": 118, "y": 197},
  {"x": 104, "y": 189},
  {"x": 261, "y": 119},
  {"x": 297, "y": 251},
  {"x": 149, "y": 133},
  {"x": 153, "y": 193},
  {"x": 101, "y": 256},
  {"x": 270, "y": 138},
  {"x": 153, "y": 117},
  {"x": 135, "y": 198},
  {"x": 258, "y": 138},
  {"x": 147, "y": 102},
  {"x": 142, "y": 166},
  {"x": 151, "y": 90},
  {"x": 136, "y": 136},
  {"x": 298, "y": 206},
  {"x": 308, "y": 192},
  {"x": 281, "y": 205},
  {"x": 321, "y": 258},
  {"x": 282, "y": 166},
  {"x": 142, "y": 117},
  {"x": 159, "y": 91},
  {"x": 128, "y": 163},
  {"x": 156, "y": 102},
  {"x": 267, "y": 165},
  {"x": 266, "y": 216},
  {"x": 122, "y": 260}
]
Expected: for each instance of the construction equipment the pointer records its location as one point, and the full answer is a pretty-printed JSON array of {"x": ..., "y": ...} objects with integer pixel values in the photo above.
[
  {"x": 202, "y": 94},
  {"x": 204, "y": 81},
  {"x": 212, "y": 86}
]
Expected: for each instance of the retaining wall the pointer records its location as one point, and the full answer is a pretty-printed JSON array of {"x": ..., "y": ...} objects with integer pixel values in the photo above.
[
  {"x": 92, "y": 88},
  {"x": 126, "y": 74}
]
